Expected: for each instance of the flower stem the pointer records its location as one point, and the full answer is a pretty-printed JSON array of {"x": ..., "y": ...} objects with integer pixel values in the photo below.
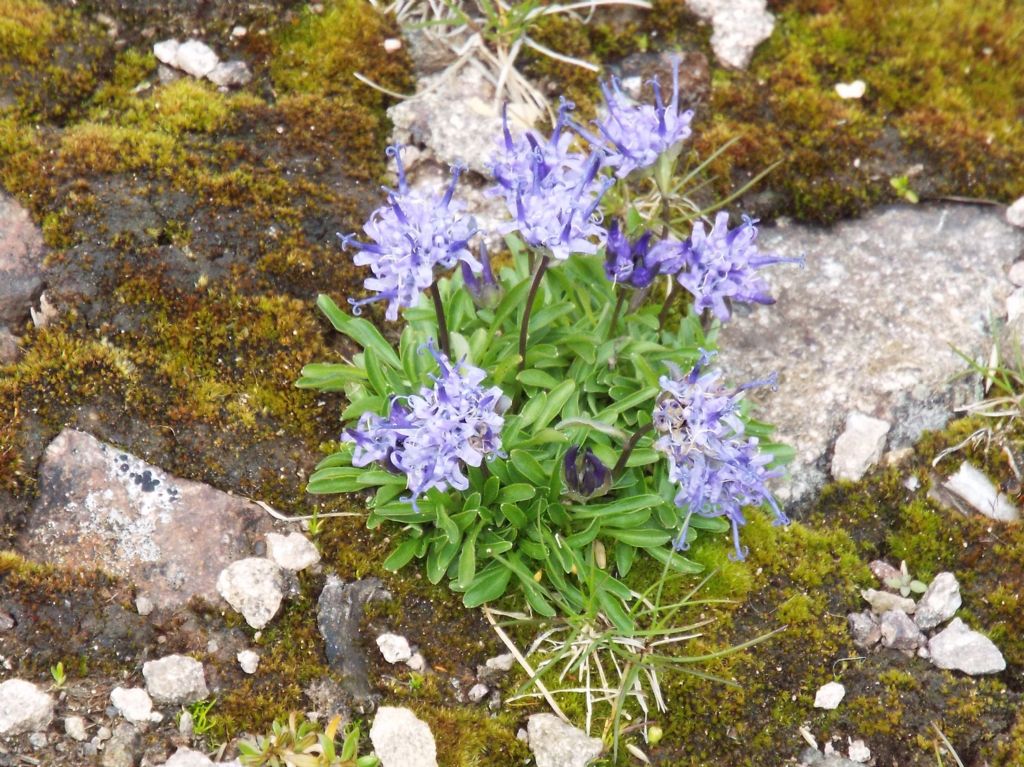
[
  {"x": 537, "y": 277},
  {"x": 615, "y": 314},
  {"x": 669, "y": 300},
  {"x": 628, "y": 449},
  {"x": 442, "y": 326}
]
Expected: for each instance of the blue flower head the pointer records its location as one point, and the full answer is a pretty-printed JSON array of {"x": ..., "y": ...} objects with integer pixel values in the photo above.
[
  {"x": 433, "y": 434},
  {"x": 636, "y": 135},
  {"x": 721, "y": 266},
  {"x": 408, "y": 238},
  {"x": 637, "y": 262},
  {"x": 719, "y": 470}
]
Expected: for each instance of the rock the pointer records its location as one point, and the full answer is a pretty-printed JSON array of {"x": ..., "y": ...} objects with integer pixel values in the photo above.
[
  {"x": 417, "y": 662},
  {"x": 186, "y": 726},
  {"x": 132, "y": 703},
  {"x": 899, "y": 632},
  {"x": 8, "y": 346},
  {"x": 884, "y": 571},
  {"x": 739, "y": 26},
  {"x": 979, "y": 491},
  {"x": 638, "y": 69},
  {"x": 884, "y": 601},
  {"x": 175, "y": 679},
  {"x": 939, "y": 603},
  {"x": 196, "y": 58},
  {"x": 23, "y": 708},
  {"x": 166, "y": 52},
  {"x": 120, "y": 750},
  {"x": 292, "y": 552},
  {"x": 457, "y": 121},
  {"x": 503, "y": 662},
  {"x": 230, "y": 73},
  {"x": 254, "y": 587},
  {"x": 477, "y": 692},
  {"x": 394, "y": 648},
  {"x": 1015, "y": 306},
  {"x": 38, "y": 740},
  {"x": 859, "y": 446},
  {"x": 102, "y": 508},
  {"x": 854, "y": 90},
  {"x": 400, "y": 739},
  {"x": 900, "y": 365},
  {"x": 21, "y": 262},
  {"x": 186, "y": 757},
  {"x": 392, "y": 44},
  {"x": 812, "y": 757},
  {"x": 865, "y": 629},
  {"x": 555, "y": 743},
  {"x": 74, "y": 726},
  {"x": 963, "y": 649},
  {"x": 339, "y": 612},
  {"x": 1015, "y": 213},
  {"x": 6, "y": 621},
  {"x": 1016, "y": 272},
  {"x": 248, "y": 660},
  {"x": 239, "y": 32},
  {"x": 829, "y": 696},
  {"x": 45, "y": 314},
  {"x": 858, "y": 751}
]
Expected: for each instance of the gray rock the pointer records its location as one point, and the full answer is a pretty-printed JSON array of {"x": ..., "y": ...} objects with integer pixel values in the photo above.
[
  {"x": 1014, "y": 307},
  {"x": 38, "y": 740},
  {"x": 394, "y": 648},
  {"x": 74, "y": 726},
  {"x": 899, "y": 632},
  {"x": 865, "y": 629},
  {"x": 6, "y": 621},
  {"x": 884, "y": 571},
  {"x": 417, "y": 662},
  {"x": 859, "y": 446},
  {"x": 196, "y": 58},
  {"x": 884, "y": 601},
  {"x": 555, "y": 743},
  {"x": 939, "y": 603},
  {"x": 8, "y": 346},
  {"x": 186, "y": 757},
  {"x": 1016, "y": 272},
  {"x": 103, "y": 508},
  {"x": 21, "y": 262},
  {"x": 133, "y": 703},
  {"x": 981, "y": 493},
  {"x": 400, "y": 739},
  {"x": 254, "y": 587},
  {"x": 23, "y": 708},
  {"x": 248, "y": 660},
  {"x": 899, "y": 364},
  {"x": 812, "y": 757},
  {"x": 339, "y": 612},
  {"x": 829, "y": 696},
  {"x": 292, "y": 552},
  {"x": 503, "y": 662},
  {"x": 1015, "y": 213},
  {"x": 477, "y": 692},
  {"x": 122, "y": 747},
  {"x": 739, "y": 26},
  {"x": 166, "y": 52},
  {"x": 230, "y": 73},
  {"x": 960, "y": 648},
  {"x": 175, "y": 679}
]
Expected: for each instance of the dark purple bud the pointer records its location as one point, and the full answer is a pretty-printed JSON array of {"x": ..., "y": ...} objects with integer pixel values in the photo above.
[
  {"x": 585, "y": 476},
  {"x": 484, "y": 289}
]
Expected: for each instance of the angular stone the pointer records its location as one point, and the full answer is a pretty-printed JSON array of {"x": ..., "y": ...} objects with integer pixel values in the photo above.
[
  {"x": 8, "y": 346},
  {"x": 981, "y": 493},
  {"x": 739, "y": 26},
  {"x": 1016, "y": 272},
  {"x": 100, "y": 507},
  {"x": 859, "y": 446},
  {"x": 503, "y": 662},
  {"x": 248, "y": 660},
  {"x": 230, "y": 73},
  {"x": 133, "y": 703},
  {"x": 960, "y": 648},
  {"x": 292, "y": 552},
  {"x": 196, "y": 58},
  {"x": 23, "y": 708},
  {"x": 829, "y": 695},
  {"x": 254, "y": 587},
  {"x": 865, "y": 629},
  {"x": 884, "y": 571},
  {"x": 186, "y": 757},
  {"x": 339, "y": 612},
  {"x": 899, "y": 632},
  {"x": 400, "y": 739},
  {"x": 914, "y": 282},
  {"x": 74, "y": 726},
  {"x": 21, "y": 262},
  {"x": 883, "y": 601},
  {"x": 555, "y": 743},
  {"x": 939, "y": 603},
  {"x": 1015, "y": 213},
  {"x": 120, "y": 750},
  {"x": 394, "y": 648},
  {"x": 478, "y": 692},
  {"x": 166, "y": 52},
  {"x": 175, "y": 679}
]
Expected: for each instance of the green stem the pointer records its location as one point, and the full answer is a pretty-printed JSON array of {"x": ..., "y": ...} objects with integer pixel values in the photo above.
[
  {"x": 628, "y": 449},
  {"x": 665, "y": 307},
  {"x": 615, "y": 314},
  {"x": 442, "y": 326},
  {"x": 529, "y": 308}
]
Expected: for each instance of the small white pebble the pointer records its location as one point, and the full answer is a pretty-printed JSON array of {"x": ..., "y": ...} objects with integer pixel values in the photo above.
[
  {"x": 477, "y": 692},
  {"x": 249, "y": 661},
  {"x": 852, "y": 90},
  {"x": 74, "y": 726},
  {"x": 394, "y": 648},
  {"x": 859, "y": 752},
  {"x": 392, "y": 44},
  {"x": 417, "y": 662},
  {"x": 239, "y": 32},
  {"x": 144, "y": 605},
  {"x": 829, "y": 695}
]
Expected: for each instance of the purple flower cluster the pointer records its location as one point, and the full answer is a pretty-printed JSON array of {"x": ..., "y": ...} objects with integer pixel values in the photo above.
[
  {"x": 410, "y": 236},
  {"x": 721, "y": 266},
  {"x": 433, "y": 434},
  {"x": 636, "y": 135},
  {"x": 718, "y": 468},
  {"x": 638, "y": 262},
  {"x": 551, "y": 191}
]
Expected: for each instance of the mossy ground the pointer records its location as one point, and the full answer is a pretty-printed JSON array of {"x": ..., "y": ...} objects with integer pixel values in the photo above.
[{"x": 191, "y": 229}]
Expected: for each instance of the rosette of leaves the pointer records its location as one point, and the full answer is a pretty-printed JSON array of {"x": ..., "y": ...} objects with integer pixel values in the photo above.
[
  {"x": 299, "y": 742},
  {"x": 582, "y": 384}
]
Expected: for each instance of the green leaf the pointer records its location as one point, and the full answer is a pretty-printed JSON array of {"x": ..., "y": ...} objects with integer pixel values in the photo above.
[
  {"x": 711, "y": 524},
  {"x": 375, "y": 374},
  {"x": 440, "y": 555},
  {"x": 618, "y": 506},
  {"x": 529, "y": 467},
  {"x": 675, "y": 560},
  {"x": 643, "y": 538},
  {"x": 327, "y": 376},
  {"x": 363, "y": 405},
  {"x": 624, "y": 556},
  {"x": 615, "y": 611},
  {"x": 514, "y": 515},
  {"x": 534, "y": 377},
  {"x": 556, "y": 399},
  {"x": 359, "y": 330},
  {"x": 467, "y": 559},
  {"x": 516, "y": 493},
  {"x": 451, "y": 530},
  {"x": 402, "y": 555},
  {"x": 489, "y": 584}
]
